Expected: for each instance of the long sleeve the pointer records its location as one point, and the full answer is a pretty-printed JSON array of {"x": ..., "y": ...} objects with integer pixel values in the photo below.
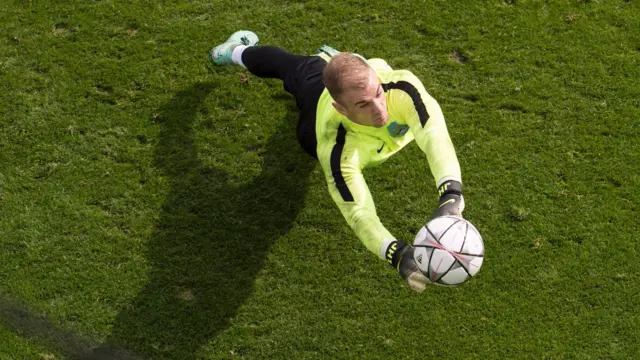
[
  {"x": 347, "y": 186},
  {"x": 411, "y": 102}
]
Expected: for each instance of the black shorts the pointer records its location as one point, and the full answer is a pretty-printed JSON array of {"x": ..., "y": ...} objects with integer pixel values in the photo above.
[
  {"x": 306, "y": 86},
  {"x": 302, "y": 77}
]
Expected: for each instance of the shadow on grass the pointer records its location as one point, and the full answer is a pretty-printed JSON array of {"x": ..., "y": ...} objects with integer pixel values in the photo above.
[
  {"x": 37, "y": 328},
  {"x": 211, "y": 238}
]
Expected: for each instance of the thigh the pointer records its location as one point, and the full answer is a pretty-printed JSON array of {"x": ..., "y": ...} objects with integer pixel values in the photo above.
[
  {"x": 306, "y": 131},
  {"x": 305, "y": 83},
  {"x": 309, "y": 80}
]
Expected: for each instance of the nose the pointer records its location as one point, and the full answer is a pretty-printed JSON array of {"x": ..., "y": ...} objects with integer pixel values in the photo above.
[{"x": 380, "y": 110}]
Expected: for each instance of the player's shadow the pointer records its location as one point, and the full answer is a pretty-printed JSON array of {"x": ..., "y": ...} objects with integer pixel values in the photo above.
[{"x": 211, "y": 237}]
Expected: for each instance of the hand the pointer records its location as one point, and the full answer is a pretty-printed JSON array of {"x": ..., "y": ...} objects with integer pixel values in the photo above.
[
  {"x": 451, "y": 199},
  {"x": 452, "y": 204},
  {"x": 400, "y": 255}
]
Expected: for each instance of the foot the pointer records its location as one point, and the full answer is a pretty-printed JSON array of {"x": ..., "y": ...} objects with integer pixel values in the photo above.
[
  {"x": 221, "y": 54},
  {"x": 328, "y": 50}
]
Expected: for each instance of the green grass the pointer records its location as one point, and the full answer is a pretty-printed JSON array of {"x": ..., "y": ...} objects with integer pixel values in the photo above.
[{"x": 155, "y": 207}]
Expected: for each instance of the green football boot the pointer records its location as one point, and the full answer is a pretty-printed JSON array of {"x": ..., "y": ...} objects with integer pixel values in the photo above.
[
  {"x": 328, "y": 50},
  {"x": 221, "y": 54}
]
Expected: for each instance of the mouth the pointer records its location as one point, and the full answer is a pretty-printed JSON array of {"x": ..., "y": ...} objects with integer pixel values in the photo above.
[{"x": 381, "y": 121}]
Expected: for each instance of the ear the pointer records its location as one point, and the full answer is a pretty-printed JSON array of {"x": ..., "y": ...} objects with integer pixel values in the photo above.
[{"x": 341, "y": 109}]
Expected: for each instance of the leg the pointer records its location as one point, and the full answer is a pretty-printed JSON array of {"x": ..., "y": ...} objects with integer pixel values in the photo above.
[
  {"x": 301, "y": 75},
  {"x": 270, "y": 61}
]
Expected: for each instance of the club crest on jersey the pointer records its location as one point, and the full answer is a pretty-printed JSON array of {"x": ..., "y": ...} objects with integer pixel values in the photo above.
[{"x": 396, "y": 130}]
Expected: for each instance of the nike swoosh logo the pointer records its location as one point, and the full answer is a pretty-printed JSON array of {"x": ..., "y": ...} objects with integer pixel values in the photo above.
[
  {"x": 446, "y": 202},
  {"x": 380, "y": 148}
]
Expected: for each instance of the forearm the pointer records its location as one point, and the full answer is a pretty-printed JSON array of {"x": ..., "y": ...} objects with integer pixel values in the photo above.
[
  {"x": 360, "y": 213},
  {"x": 367, "y": 227},
  {"x": 441, "y": 155}
]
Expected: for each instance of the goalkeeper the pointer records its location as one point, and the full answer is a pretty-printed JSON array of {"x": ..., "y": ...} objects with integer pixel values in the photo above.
[{"x": 356, "y": 113}]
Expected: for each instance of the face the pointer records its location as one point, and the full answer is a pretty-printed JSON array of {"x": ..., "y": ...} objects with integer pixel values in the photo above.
[{"x": 365, "y": 105}]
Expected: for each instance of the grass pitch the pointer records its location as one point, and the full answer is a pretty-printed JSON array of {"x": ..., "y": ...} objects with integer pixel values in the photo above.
[{"x": 155, "y": 207}]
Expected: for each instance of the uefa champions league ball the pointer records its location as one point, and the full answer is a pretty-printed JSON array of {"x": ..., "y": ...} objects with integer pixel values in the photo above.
[{"x": 449, "y": 250}]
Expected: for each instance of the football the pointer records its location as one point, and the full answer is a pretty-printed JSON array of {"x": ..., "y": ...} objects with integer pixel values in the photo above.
[{"x": 449, "y": 250}]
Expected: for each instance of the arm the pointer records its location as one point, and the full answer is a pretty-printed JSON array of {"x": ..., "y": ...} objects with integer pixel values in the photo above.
[
  {"x": 424, "y": 116},
  {"x": 350, "y": 192},
  {"x": 426, "y": 121},
  {"x": 347, "y": 186}
]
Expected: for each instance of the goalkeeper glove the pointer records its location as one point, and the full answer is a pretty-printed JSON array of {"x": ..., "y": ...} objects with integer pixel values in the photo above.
[
  {"x": 451, "y": 199},
  {"x": 400, "y": 255}
]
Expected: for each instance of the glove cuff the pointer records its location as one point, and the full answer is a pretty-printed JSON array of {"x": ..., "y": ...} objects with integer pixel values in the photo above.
[
  {"x": 394, "y": 252},
  {"x": 450, "y": 187}
]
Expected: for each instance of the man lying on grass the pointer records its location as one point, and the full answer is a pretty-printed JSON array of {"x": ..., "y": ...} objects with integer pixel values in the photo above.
[{"x": 356, "y": 113}]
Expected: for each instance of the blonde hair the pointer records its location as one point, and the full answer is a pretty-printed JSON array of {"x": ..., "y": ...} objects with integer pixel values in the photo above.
[{"x": 345, "y": 71}]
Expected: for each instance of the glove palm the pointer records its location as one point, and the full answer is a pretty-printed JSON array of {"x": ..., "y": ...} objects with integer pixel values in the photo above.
[{"x": 400, "y": 256}]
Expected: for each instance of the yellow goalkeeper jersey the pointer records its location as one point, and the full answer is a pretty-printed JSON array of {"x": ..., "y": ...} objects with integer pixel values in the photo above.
[{"x": 345, "y": 148}]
